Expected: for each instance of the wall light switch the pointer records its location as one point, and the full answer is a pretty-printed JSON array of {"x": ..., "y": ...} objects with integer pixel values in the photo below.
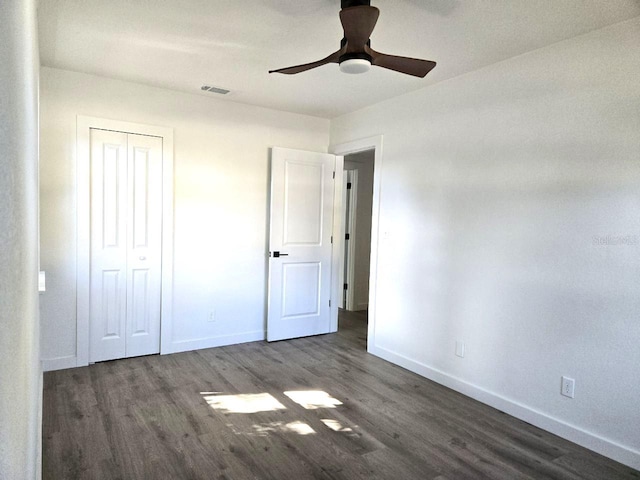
[{"x": 460, "y": 348}]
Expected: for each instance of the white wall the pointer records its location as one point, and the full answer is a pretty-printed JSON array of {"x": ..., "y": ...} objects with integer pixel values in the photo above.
[
  {"x": 494, "y": 185},
  {"x": 20, "y": 372},
  {"x": 363, "y": 163},
  {"x": 221, "y": 190}
]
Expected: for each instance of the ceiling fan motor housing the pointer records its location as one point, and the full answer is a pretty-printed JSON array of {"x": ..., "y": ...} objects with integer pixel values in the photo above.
[
  {"x": 355, "y": 3},
  {"x": 354, "y": 55}
]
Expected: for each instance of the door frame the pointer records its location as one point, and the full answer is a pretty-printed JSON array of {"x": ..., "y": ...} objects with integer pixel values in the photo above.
[
  {"x": 337, "y": 258},
  {"x": 83, "y": 201},
  {"x": 342, "y": 149},
  {"x": 350, "y": 250}
]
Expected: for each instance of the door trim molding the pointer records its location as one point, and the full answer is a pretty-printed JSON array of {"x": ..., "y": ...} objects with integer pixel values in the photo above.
[
  {"x": 353, "y": 235},
  {"x": 342, "y": 149},
  {"x": 337, "y": 250},
  {"x": 83, "y": 253}
]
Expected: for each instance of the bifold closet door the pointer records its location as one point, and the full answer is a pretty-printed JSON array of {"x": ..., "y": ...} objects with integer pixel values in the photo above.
[{"x": 126, "y": 248}]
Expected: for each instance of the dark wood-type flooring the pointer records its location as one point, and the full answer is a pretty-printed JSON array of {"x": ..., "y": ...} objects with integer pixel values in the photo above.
[{"x": 197, "y": 415}]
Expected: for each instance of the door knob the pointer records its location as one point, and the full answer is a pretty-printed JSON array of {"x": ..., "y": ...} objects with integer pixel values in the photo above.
[
  {"x": 278, "y": 254},
  {"x": 142, "y": 258}
]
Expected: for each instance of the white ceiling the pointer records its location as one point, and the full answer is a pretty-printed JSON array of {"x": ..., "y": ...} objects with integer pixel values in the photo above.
[{"x": 183, "y": 44}]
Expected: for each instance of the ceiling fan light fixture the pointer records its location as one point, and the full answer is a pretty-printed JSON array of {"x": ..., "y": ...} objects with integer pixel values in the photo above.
[
  {"x": 355, "y": 66},
  {"x": 358, "y": 20}
]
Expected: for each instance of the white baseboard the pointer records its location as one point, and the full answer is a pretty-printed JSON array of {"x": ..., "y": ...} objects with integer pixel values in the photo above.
[
  {"x": 211, "y": 342},
  {"x": 601, "y": 445},
  {"x": 59, "y": 363}
]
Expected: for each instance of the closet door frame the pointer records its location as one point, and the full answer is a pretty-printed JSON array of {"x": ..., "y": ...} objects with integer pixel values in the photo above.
[{"x": 83, "y": 253}]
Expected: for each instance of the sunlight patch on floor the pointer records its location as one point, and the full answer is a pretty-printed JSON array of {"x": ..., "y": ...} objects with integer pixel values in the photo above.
[
  {"x": 335, "y": 425},
  {"x": 251, "y": 403},
  {"x": 313, "y": 399},
  {"x": 244, "y": 403},
  {"x": 265, "y": 429},
  {"x": 300, "y": 428}
]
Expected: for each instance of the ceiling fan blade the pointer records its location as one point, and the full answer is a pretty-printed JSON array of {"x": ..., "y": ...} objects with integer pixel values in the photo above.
[
  {"x": 410, "y": 66},
  {"x": 333, "y": 58},
  {"x": 358, "y": 24}
]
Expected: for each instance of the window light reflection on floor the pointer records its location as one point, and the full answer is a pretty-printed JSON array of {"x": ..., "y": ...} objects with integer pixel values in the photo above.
[
  {"x": 264, "y": 402},
  {"x": 265, "y": 429},
  {"x": 244, "y": 403},
  {"x": 335, "y": 425},
  {"x": 299, "y": 427},
  {"x": 313, "y": 399}
]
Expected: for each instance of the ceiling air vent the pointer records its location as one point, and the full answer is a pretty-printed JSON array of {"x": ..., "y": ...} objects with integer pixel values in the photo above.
[{"x": 208, "y": 88}]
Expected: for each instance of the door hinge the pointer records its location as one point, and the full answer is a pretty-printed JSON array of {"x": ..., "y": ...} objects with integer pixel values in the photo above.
[
  {"x": 346, "y": 286},
  {"x": 331, "y": 238},
  {"x": 329, "y": 302},
  {"x": 348, "y": 185},
  {"x": 346, "y": 236},
  {"x": 334, "y": 175}
]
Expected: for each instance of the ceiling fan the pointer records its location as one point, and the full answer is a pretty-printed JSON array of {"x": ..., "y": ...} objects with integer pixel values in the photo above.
[{"x": 359, "y": 19}]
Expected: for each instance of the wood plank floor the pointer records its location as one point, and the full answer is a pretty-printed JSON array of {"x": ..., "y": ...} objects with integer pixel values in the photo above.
[{"x": 223, "y": 414}]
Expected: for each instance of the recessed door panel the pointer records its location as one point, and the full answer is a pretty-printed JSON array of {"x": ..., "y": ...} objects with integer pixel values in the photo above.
[
  {"x": 140, "y": 314},
  {"x": 111, "y": 198},
  {"x": 301, "y": 292},
  {"x": 111, "y": 299},
  {"x": 140, "y": 196},
  {"x": 303, "y": 203}
]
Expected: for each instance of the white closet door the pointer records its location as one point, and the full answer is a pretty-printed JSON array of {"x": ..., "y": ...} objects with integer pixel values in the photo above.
[
  {"x": 108, "y": 298},
  {"x": 144, "y": 241},
  {"x": 126, "y": 226}
]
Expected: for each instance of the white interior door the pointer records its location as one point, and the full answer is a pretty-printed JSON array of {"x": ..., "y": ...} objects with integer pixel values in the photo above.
[
  {"x": 125, "y": 254},
  {"x": 108, "y": 298},
  {"x": 144, "y": 239},
  {"x": 302, "y": 196}
]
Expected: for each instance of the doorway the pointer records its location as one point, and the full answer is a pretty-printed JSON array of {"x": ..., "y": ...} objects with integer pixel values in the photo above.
[
  {"x": 309, "y": 303},
  {"x": 357, "y": 208},
  {"x": 361, "y": 155}
]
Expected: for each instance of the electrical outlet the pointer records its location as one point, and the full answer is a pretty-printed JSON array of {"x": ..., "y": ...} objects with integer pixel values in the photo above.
[
  {"x": 460, "y": 349},
  {"x": 212, "y": 316},
  {"x": 568, "y": 387}
]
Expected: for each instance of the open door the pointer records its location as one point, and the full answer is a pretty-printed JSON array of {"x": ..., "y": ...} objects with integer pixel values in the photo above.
[{"x": 300, "y": 244}]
